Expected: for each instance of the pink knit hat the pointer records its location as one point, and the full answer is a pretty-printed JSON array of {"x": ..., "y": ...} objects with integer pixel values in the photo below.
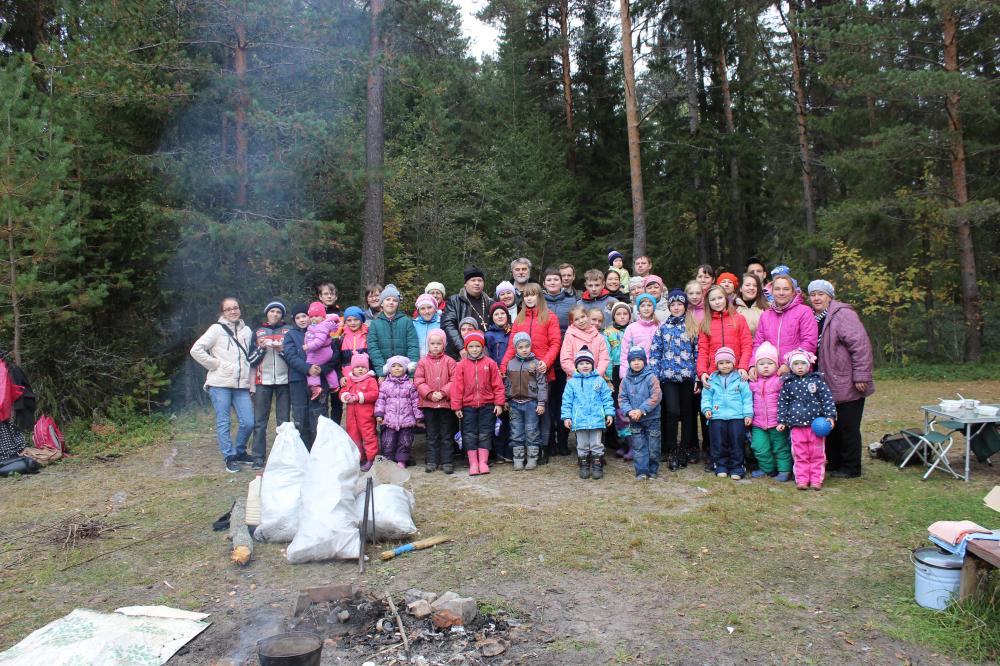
[
  {"x": 650, "y": 279},
  {"x": 316, "y": 309},
  {"x": 360, "y": 360},
  {"x": 725, "y": 354},
  {"x": 800, "y": 355},
  {"x": 425, "y": 299},
  {"x": 436, "y": 333},
  {"x": 766, "y": 351}
]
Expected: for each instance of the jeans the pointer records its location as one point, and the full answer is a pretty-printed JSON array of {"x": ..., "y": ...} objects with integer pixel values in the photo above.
[
  {"x": 262, "y": 412},
  {"x": 224, "y": 400},
  {"x": 679, "y": 407},
  {"x": 843, "y": 444},
  {"x": 646, "y": 446},
  {"x": 524, "y": 426},
  {"x": 727, "y": 444},
  {"x": 298, "y": 393},
  {"x": 477, "y": 427}
]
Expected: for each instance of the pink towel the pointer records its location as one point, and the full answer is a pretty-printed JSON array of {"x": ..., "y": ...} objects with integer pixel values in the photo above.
[{"x": 953, "y": 531}]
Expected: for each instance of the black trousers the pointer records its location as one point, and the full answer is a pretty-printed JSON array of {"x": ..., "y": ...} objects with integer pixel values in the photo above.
[
  {"x": 558, "y": 435},
  {"x": 440, "y": 435},
  {"x": 299, "y": 393},
  {"x": 678, "y": 407},
  {"x": 843, "y": 444}
]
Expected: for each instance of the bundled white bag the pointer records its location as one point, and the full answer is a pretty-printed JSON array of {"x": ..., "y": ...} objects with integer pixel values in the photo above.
[
  {"x": 328, "y": 523},
  {"x": 280, "y": 486},
  {"x": 393, "y": 512}
]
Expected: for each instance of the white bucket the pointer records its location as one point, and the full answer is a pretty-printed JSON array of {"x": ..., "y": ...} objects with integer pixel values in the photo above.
[{"x": 937, "y": 577}]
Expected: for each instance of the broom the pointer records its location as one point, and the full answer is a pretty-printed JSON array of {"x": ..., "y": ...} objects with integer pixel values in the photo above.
[{"x": 416, "y": 545}]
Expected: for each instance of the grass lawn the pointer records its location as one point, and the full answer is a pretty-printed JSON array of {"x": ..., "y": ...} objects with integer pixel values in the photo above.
[{"x": 686, "y": 569}]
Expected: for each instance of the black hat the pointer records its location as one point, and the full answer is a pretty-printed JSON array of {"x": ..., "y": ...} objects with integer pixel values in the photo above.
[
  {"x": 299, "y": 308},
  {"x": 473, "y": 272}
]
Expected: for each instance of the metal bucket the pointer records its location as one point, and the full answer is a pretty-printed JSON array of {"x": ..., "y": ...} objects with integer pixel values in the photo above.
[
  {"x": 295, "y": 648},
  {"x": 937, "y": 575}
]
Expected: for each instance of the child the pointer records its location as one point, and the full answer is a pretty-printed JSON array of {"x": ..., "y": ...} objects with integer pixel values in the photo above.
[
  {"x": 640, "y": 398},
  {"x": 728, "y": 405},
  {"x": 319, "y": 346},
  {"x": 391, "y": 333},
  {"x": 508, "y": 297},
  {"x": 353, "y": 335},
  {"x": 527, "y": 391},
  {"x": 582, "y": 334},
  {"x": 359, "y": 394},
  {"x": 804, "y": 397},
  {"x": 468, "y": 325},
  {"x": 770, "y": 445},
  {"x": 728, "y": 282},
  {"x": 436, "y": 291},
  {"x": 672, "y": 357},
  {"x": 477, "y": 398},
  {"x": 617, "y": 262},
  {"x": 723, "y": 326},
  {"x": 497, "y": 338},
  {"x": 397, "y": 410},
  {"x": 696, "y": 300},
  {"x": 596, "y": 296},
  {"x": 428, "y": 318},
  {"x": 641, "y": 331},
  {"x": 621, "y": 317},
  {"x": 587, "y": 408},
  {"x": 433, "y": 382}
]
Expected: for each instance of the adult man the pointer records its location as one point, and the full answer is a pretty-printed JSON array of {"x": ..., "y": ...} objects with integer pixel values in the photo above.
[
  {"x": 568, "y": 275},
  {"x": 470, "y": 301},
  {"x": 520, "y": 270},
  {"x": 756, "y": 267},
  {"x": 643, "y": 266}
]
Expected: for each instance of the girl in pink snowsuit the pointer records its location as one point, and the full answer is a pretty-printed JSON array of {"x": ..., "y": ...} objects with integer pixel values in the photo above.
[{"x": 319, "y": 346}]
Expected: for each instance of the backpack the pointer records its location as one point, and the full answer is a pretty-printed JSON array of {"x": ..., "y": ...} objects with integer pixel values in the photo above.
[
  {"x": 47, "y": 435},
  {"x": 893, "y": 448}
]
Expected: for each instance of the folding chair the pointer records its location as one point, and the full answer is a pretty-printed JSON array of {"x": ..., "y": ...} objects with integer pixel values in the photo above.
[{"x": 931, "y": 447}]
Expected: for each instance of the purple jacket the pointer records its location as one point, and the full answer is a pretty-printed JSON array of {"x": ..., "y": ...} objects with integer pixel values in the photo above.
[
  {"x": 845, "y": 354},
  {"x": 765, "y": 392},
  {"x": 788, "y": 330},
  {"x": 398, "y": 403},
  {"x": 318, "y": 343}
]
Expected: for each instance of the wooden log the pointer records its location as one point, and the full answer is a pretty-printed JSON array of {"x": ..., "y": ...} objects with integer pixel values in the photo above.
[{"x": 240, "y": 535}]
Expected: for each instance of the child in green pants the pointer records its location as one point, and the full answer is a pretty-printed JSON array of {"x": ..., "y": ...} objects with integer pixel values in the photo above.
[{"x": 772, "y": 448}]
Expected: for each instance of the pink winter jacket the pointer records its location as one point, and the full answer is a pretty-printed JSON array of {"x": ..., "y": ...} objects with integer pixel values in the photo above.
[
  {"x": 845, "y": 354},
  {"x": 637, "y": 334},
  {"x": 576, "y": 340},
  {"x": 397, "y": 403},
  {"x": 765, "y": 392},
  {"x": 793, "y": 328}
]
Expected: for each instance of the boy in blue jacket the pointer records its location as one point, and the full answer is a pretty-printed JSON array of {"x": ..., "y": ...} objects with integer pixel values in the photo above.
[
  {"x": 639, "y": 396},
  {"x": 587, "y": 409},
  {"x": 727, "y": 403}
]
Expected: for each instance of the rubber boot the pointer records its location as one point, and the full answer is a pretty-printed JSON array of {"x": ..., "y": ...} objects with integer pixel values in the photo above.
[
  {"x": 473, "y": 462},
  {"x": 597, "y": 469},
  {"x": 484, "y": 456},
  {"x": 584, "y": 462},
  {"x": 518, "y": 458},
  {"x": 532, "y": 458}
]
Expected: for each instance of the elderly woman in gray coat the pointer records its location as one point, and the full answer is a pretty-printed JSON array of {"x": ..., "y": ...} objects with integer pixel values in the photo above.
[{"x": 845, "y": 358}]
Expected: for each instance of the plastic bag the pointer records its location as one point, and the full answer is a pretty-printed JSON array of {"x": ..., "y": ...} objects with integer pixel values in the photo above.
[
  {"x": 382, "y": 471},
  {"x": 328, "y": 522},
  {"x": 393, "y": 512},
  {"x": 280, "y": 486}
]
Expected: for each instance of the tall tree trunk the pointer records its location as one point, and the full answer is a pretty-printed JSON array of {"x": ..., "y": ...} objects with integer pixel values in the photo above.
[
  {"x": 801, "y": 121},
  {"x": 15, "y": 303},
  {"x": 373, "y": 246},
  {"x": 963, "y": 229},
  {"x": 736, "y": 225},
  {"x": 691, "y": 81},
  {"x": 567, "y": 86},
  {"x": 632, "y": 123},
  {"x": 240, "y": 117}
]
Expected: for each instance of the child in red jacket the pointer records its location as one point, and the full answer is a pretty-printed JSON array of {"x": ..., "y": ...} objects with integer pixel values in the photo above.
[
  {"x": 433, "y": 381},
  {"x": 359, "y": 394},
  {"x": 477, "y": 398}
]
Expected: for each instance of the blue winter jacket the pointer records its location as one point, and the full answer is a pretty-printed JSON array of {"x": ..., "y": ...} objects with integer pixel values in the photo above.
[
  {"x": 641, "y": 390},
  {"x": 496, "y": 343},
  {"x": 423, "y": 328},
  {"x": 672, "y": 354},
  {"x": 728, "y": 397},
  {"x": 803, "y": 399},
  {"x": 560, "y": 305},
  {"x": 294, "y": 355},
  {"x": 587, "y": 400}
]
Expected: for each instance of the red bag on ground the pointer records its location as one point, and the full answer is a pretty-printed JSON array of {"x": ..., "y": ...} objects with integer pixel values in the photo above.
[{"x": 47, "y": 435}]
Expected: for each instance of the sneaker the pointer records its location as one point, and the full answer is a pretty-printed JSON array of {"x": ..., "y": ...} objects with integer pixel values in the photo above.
[
  {"x": 641, "y": 477},
  {"x": 652, "y": 477},
  {"x": 757, "y": 474},
  {"x": 819, "y": 487},
  {"x": 244, "y": 458},
  {"x": 782, "y": 477},
  {"x": 257, "y": 464},
  {"x": 232, "y": 466},
  {"x": 736, "y": 477},
  {"x": 721, "y": 474}
]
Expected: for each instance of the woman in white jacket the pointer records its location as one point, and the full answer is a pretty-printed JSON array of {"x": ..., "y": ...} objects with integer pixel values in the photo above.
[{"x": 222, "y": 350}]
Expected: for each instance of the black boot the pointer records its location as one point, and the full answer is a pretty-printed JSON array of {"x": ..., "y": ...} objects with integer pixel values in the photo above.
[
  {"x": 672, "y": 463},
  {"x": 543, "y": 456},
  {"x": 597, "y": 468},
  {"x": 584, "y": 462}
]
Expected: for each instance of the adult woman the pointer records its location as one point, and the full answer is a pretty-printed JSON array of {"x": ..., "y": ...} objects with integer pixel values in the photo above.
[
  {"x": 788, "y": 324},
  {"x": 750, "y": 301},
  {"x": 373, "y": 299},
  {"x": 613, "y": 283},
  {"x": 542, "y": 325},
  {"x": 270, "y": 379},
  {"x": 222, "y": 350},
  {"x": 705, "y": 276},
  {"x": 845, "y": 359}
]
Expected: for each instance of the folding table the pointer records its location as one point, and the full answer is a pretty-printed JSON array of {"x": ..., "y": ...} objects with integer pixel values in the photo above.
[{"x": 973, "y": 421}]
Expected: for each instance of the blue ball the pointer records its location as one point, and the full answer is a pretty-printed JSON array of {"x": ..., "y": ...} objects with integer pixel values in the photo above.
[{"x": 821, "y": 426}]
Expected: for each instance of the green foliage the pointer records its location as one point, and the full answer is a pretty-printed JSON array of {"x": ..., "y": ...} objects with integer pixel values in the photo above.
[{"x": 122, "y": 430}]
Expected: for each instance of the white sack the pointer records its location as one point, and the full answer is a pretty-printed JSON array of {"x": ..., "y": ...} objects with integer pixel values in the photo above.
[
  {"x": 328, "y": 524},
  {"x": 280, "y": 486},
  {"x": 393, "y": 512}
]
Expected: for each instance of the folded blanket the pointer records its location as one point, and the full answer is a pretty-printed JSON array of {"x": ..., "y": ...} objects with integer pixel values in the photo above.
[
  {"x": 953, "y": 531},
  {"x": 959, "y": 548}
]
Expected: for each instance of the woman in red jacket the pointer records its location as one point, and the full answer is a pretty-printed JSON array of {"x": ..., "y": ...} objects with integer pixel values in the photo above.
[
  {"x": 537, "y": 321},
  {"x": 722, "y": 326}
]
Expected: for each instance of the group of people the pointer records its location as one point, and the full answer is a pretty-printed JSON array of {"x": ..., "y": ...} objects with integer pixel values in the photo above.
[{"x": 625, "y": 361}]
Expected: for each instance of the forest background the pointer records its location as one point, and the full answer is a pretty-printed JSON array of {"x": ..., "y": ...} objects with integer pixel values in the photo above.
[{"x": 156, "y": 155}]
